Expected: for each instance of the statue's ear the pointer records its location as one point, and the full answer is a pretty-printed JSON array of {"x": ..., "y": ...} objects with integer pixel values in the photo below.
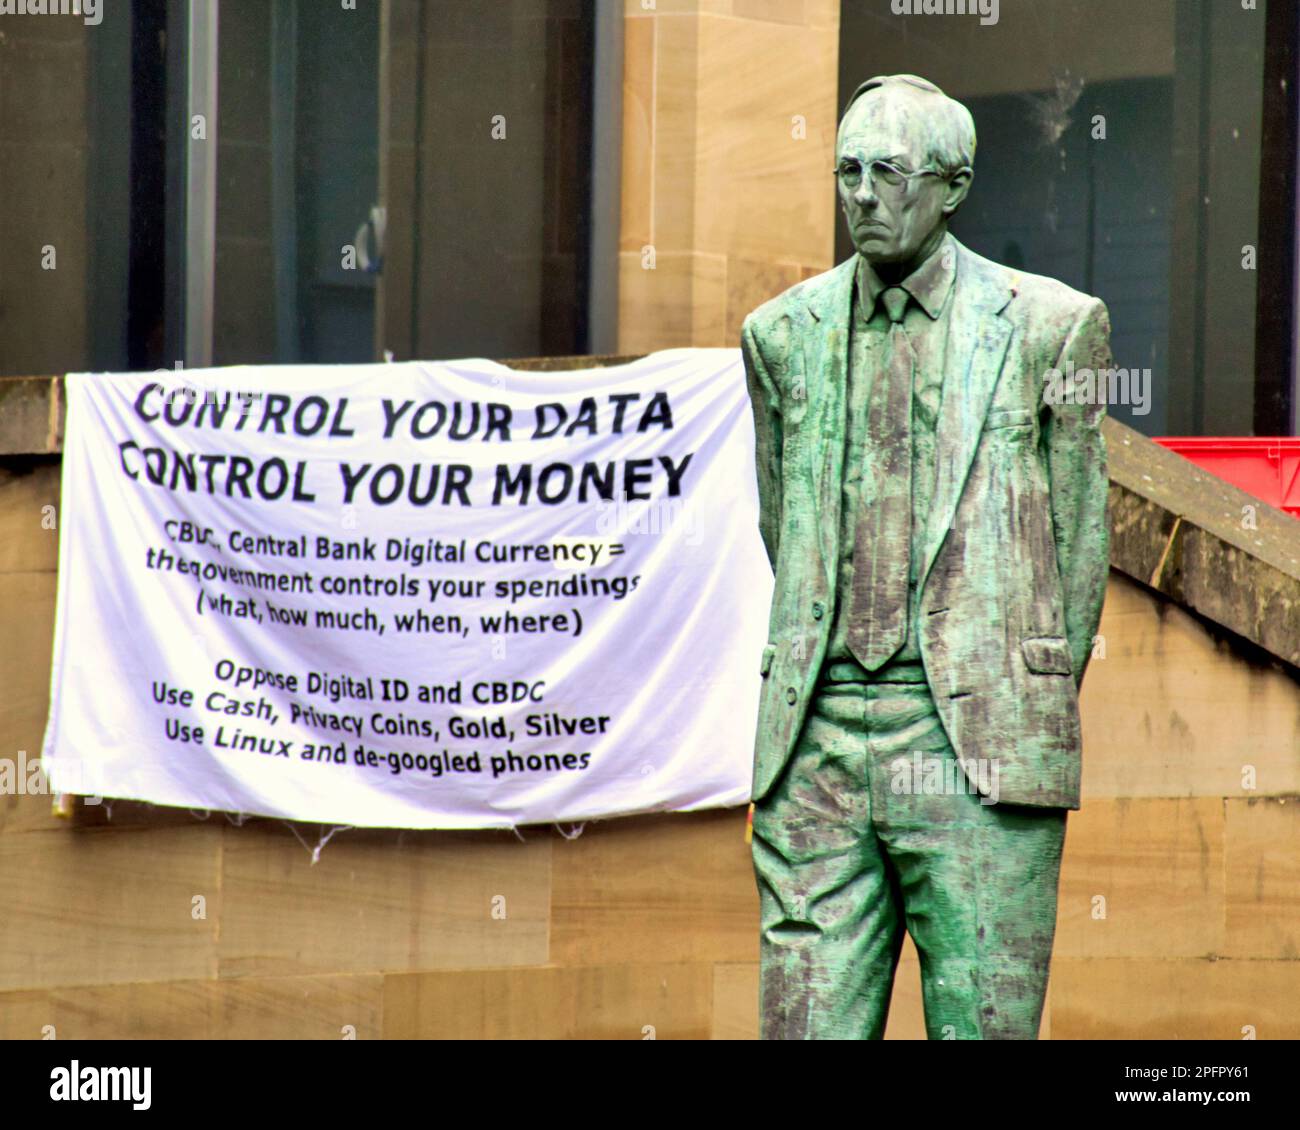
[{"x": 958, "y": 186}]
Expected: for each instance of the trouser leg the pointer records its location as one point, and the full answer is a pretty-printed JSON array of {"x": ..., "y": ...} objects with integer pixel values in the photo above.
[
  {"x": 831, "y": 927},
  {"x": 978, "y": 881}
]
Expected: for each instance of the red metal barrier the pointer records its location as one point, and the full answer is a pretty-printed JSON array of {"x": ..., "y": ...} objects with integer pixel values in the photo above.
[{"x": 1268, "y": 468}]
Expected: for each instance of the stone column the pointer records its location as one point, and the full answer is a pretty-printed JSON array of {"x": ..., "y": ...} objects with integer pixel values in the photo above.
[{"x": 729, "y": 116}]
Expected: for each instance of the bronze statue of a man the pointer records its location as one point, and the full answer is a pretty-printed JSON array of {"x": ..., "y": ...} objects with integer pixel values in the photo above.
[{"x": 933, "y": 501}]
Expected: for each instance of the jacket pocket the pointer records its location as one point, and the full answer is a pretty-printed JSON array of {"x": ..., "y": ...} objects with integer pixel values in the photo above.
[
  {"x": 1048, "y": 655},
  {"x": 769, "y": 653},
  {"x": 1009, "y": 418}
]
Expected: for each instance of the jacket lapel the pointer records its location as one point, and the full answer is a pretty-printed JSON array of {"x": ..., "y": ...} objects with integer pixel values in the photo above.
[
  {"x": 826, "y": 359},
  {"x": 977, "y": 347}
]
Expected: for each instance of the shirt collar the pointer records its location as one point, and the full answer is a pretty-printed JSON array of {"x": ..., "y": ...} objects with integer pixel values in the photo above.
[{"x": 929, "y": 284}]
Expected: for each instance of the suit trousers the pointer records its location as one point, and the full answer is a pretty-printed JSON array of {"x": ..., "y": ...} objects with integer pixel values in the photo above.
[{"x": 871, "y": 829}]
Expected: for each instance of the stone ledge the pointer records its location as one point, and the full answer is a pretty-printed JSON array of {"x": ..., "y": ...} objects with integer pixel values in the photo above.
[
  {"x": 32, "y": 413},
  {"x": 1180, "y": 530}
]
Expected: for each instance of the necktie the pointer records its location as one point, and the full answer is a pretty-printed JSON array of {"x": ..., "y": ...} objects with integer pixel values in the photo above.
[{"x": 882, "y": 545}]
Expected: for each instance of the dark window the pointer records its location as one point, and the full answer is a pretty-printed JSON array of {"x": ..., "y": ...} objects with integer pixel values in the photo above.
[
  {"x": 410, "y": 177},
  {"x": 1120, "y": 150}
]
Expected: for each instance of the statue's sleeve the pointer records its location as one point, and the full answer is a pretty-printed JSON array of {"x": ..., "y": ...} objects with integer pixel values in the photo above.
[
  {"x": 765, "y": 399},
  {"x": 1075, "y": 453}
]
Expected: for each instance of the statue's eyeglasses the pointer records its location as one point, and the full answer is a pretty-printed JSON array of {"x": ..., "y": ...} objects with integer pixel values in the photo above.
[{"x": 849, "y": 173}]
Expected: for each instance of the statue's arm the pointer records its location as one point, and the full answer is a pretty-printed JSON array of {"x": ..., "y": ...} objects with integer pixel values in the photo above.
[
  {"x": 1075, "y": 453},
  {"x": 765, "y": 399}
]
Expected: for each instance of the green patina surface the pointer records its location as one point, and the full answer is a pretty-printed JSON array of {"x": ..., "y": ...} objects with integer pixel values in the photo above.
[{"x": 1007, "y": 552}]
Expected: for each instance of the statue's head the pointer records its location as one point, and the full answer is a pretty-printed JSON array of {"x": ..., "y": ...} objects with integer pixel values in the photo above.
[{"x": 903, "y": 164}]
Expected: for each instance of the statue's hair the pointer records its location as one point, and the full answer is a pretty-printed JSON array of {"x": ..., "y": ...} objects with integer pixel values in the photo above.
[{"x": 952, "y": 144}]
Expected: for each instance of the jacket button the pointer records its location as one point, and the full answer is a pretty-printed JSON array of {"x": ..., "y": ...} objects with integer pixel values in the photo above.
[
  {"x": 819, "y": 609},
  {"x": 791, "y": 696}
]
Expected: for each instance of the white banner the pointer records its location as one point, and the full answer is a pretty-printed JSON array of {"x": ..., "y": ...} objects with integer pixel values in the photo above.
[{"x": 411, "y": 595}]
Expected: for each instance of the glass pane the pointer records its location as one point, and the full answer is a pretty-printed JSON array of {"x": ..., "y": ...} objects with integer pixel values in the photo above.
[
  {"x": 1119, "y": 150},
  {"x": 479, "y": 186},
  {"x": 489, "y": 185},
  {"x": 65, "y": 112},
  {"x": 297, "y": 179},
  {"x": 458, "y": 130}
]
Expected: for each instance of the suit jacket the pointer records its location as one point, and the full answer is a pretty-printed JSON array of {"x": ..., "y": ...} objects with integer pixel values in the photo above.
[{"x": 1016, "y": 551}]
